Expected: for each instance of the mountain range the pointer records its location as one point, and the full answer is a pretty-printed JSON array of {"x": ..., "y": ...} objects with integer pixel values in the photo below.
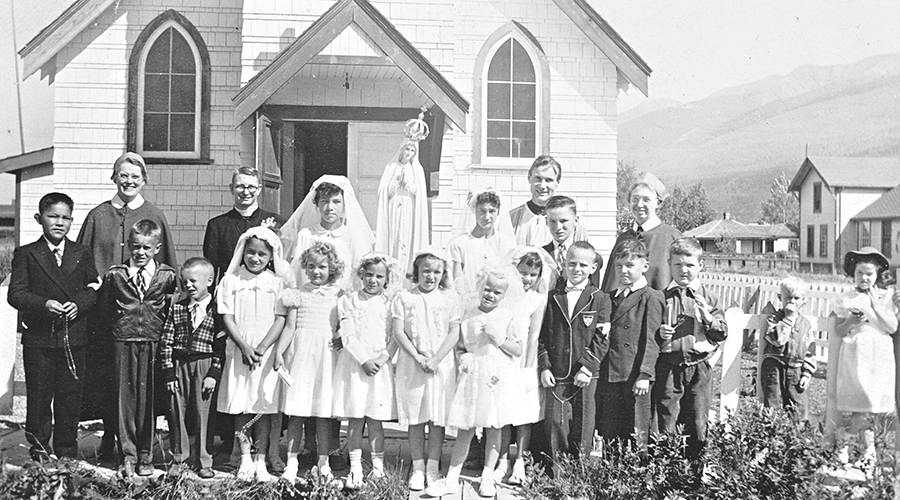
[{"x": 737, "y": 140}]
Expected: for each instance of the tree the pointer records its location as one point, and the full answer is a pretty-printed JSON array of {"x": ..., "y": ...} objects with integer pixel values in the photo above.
[
  {"x": 685, "y": 210},
  {"x": 782, "y": 206},
  {"x": 625, "y": 176}
]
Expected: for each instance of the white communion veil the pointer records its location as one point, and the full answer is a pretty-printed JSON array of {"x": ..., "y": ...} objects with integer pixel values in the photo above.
[
  {"x": 307, "y": 215},
  {"x": 466, "y": 221},
  {"x": 282, "y": 269},
  {"x": 547, "y": 266}
]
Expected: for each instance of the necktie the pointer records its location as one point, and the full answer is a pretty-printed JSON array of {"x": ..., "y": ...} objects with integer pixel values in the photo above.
[
  {"x": 640, "y": 230},
  {"x": 58, "y": 254},
  {"x": 195, "y": 310},
  {"x": 139, "y": 280},
  {"x": 561, "y": 257}
]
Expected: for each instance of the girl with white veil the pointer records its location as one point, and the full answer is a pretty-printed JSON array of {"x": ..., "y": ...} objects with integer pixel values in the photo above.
[
  {"x": 329, "y": 212},
  {"x": 485, "y": 236},
  {"x": 402, "y": 224}
]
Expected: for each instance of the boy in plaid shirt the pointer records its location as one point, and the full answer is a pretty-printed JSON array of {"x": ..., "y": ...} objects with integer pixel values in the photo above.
[{"x": 192, "y": 350}]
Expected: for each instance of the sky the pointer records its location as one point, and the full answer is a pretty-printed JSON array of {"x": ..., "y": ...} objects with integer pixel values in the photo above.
[{"x": 696, "y": 47}]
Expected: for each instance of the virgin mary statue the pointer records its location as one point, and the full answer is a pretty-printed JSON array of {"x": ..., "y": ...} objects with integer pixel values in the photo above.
[{"x": 402, "y": 224}]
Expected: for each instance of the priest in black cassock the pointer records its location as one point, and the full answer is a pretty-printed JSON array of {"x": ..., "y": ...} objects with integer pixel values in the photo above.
[{"x": 223, "y": 231}]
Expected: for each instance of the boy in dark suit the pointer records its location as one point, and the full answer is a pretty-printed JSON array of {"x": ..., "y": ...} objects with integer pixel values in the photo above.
[
  {"x": 569, "y": 352},
  {"x": 628, "y": 369},
  {"x": 53, "y": 285},
  {"x": 135, "y": 299},
  {"x": 192, "y": 351}
]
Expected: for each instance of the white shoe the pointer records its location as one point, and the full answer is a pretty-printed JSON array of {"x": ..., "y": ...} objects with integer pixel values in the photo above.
[
  {"x": 487, "y": 488},
  {"x": 262, "y": 473},
  {"x": 518, "y": 473},
  {"x": 325, "y": 473},
  {"x": 417, "y": 480},
  {"x": 291, "y": 470},
  {"x": 354, "y": 480},
  {"x": 376, "y": 473},
  {"x": 246, "y": 471},
  {"x": 442, "y": 487},
  {"x": 432, "y": 478},
  {"x": 500, "y": 474}
]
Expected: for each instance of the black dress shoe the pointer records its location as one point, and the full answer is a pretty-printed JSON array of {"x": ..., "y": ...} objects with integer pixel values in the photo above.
[
  {"x": 127, "y": 470},
  {"x": 144, "y": 470},
  {"x": 206, "y": 473},
  {"x": 39, "y": 456},
  {"x": 107, "y": 449}
]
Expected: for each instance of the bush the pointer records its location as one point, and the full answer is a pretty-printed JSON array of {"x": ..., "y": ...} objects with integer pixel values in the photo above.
[
  {"x": 760, "y": 454},
  {"x": 35, "y": 481},
  {"x": 7, "y": 244}
]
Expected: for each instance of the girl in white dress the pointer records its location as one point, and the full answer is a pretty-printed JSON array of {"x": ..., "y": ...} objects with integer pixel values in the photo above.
[
  {"x": 363, "y": 378},
  {"x": 426, "y": 327},
  {"x": 867, "y": 320},
  {"x": 312, "y": 324},
  {"x": 487, "y": 386},
  {"x": 247, "y": 298},
  {"x": 530, "y": 263},
  {"x": 487, "y": 239}
]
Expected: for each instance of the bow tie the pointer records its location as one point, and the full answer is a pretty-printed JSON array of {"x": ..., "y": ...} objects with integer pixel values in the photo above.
[{"x": 574, "y": 289}]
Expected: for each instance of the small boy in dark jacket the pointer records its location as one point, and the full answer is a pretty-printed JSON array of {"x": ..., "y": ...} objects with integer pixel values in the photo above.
[
  {"x": 693, "y": 326},
  {"x": 191, "y": 351},
  {"x": 135, "y": 297},
  {"x": 789, "y": 357},
  {"x": 570, "y": 350},
  {"x": 53, "y": 285},
  {"x": 628, "y": 368}
]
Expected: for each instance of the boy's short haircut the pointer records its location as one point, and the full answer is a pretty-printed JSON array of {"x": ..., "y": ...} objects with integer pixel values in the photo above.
[
  {"x": 546, "y": 161},
  {"x": 146, "y": 228},
  {"x": 203, "y": 262},
  {"x": 50, "y": 199},
  {"x": 793, "y": 285},
  {"x": 132, "y": 158},
  {"x": 560, "y": 202},
  {"x": 326, "y": 191},
  {"x": 631, "y": 248},
  {"x": 583, "y": 245},
  {"x": 687, "y": 246},
  {"x": 487, "y": 197},
  {"x": 248, "y": 171}
]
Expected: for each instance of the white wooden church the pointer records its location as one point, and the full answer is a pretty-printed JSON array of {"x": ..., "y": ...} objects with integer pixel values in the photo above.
[{"x": 299, "y": 88}]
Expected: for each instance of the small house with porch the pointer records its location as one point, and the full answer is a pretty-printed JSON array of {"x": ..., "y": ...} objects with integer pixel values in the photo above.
[
  {"x": 749, "y": 239},
  {"x": 878, "y": 225}
]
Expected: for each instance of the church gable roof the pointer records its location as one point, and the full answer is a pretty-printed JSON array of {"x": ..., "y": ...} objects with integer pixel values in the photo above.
[{"x": 320, "y": 35}]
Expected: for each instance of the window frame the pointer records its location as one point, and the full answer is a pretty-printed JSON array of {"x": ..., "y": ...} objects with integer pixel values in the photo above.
[
  {"x": 136, "y": 89},
  {"x": 511, "y": 30},
  {"x": 864, "y": 233},
  {"x": 817, "y": 198},
  {"x": 887, "y": 228},
  {"x": 810, "y": 240},
  {"x": 823, "y": 240}
]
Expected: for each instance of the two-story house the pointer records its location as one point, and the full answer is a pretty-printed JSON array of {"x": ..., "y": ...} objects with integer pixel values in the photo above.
[{"x": 832, "y": 191}]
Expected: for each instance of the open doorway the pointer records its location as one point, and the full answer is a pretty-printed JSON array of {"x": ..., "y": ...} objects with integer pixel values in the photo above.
[{"x": 319, "y": 148}]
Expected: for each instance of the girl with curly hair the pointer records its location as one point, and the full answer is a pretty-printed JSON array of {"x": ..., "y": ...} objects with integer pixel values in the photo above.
[{"x": 312, "y": 324}]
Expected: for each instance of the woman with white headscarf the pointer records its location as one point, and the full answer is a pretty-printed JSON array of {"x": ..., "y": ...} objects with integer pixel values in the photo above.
[
  {"x": 329, "y": 212},
  {"x": 402, "y": 223}
]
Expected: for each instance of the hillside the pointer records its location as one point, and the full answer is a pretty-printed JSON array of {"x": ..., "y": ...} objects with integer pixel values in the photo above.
[{"x": 738, "y": 139}]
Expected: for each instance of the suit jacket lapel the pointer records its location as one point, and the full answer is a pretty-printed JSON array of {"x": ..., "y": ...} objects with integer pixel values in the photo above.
[
  {"x": 69, "y": 260},
  {"x": 628, "y": 303},
  {"x": 562, "y": 301},
  {"x": 47, "y": 261},
  {"x": 584, "y": 299}
]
